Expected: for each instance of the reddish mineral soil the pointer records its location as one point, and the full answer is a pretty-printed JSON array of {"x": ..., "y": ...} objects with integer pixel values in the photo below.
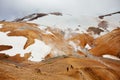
[
  {"x": 61, "y": 68},
  {"x": 107, "y": 44},
  {"x": 5, "y": 47}
]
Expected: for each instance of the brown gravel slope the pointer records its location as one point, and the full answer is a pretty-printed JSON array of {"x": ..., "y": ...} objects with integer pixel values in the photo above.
[{"x": 61, "y": 68}]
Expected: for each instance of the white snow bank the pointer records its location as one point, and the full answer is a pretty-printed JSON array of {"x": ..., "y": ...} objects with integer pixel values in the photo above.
[
  {"x": 111, "y": 57},
  {"x": 67, "y": 21},
  {"x": 1, "y": 25},
  {"x": 39, "y": 50},
  {"x": 87, "y": 47},
  {"x": 16, "y": 42},
  {"x": 81, "y": 23},
  {"x": 48, "y": 32}
]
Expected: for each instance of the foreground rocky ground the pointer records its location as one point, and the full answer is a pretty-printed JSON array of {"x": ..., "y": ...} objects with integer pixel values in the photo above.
[{"x": 61, "y": 68}]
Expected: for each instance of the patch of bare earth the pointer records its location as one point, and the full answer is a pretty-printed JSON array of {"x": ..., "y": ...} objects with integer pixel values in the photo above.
[
  {"x": 61, "y": 68},
  {"x": 5, "y": 47}
]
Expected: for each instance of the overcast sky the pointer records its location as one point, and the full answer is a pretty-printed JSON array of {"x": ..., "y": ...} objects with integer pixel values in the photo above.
[{"x": 10, "y": 9}]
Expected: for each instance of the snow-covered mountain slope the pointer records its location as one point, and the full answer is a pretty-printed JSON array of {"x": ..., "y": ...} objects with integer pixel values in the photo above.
[
  {"x": 69, "y": 21},
  {"x": 53, "y": 35},
  {"x": 35, "y": 16},
  {"x": 81, "y": 24},
  {"x": 63, "y": 21}
]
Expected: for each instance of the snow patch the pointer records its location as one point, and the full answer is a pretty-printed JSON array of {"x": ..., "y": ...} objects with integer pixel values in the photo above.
[
  {"x": 39, "y": 50},
  {"x": 87, "y": 47},
  {"x": 111, "y": 57},
  {"x": 48, "y": 32},
  {"x": 67, "y": 21},
  {"x": 1, "y": 25},
  {"x": 16, "y": 42}
]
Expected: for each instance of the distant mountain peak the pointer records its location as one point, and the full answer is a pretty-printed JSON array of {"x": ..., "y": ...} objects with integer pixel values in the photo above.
[
  {"x": 36, "y": 16},
  {"x": 102, "y": 16}
]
